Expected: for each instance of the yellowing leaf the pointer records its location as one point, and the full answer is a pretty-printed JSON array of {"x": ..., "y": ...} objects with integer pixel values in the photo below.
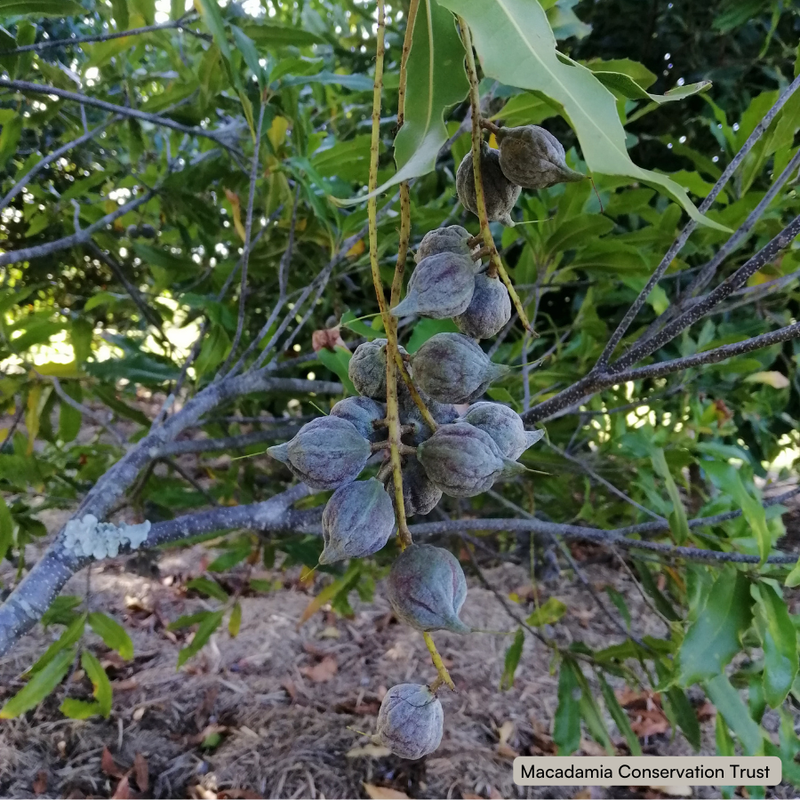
[
  {"x": 277, "y": 131},
  {"x": 357, "y": 249},
  {"x": 236, "y": 207},
  {"x": 777, "y": 380},
  {"x": 378, "y": 792}
]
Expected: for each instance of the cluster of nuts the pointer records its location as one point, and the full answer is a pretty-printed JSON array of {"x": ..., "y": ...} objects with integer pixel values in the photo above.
[
  {"x": 462, "y": 457},
  {"x": 529, "y": 157}
]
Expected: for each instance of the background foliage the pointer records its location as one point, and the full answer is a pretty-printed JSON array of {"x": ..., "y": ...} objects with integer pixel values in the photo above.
[{"x": 113, "y": 321}]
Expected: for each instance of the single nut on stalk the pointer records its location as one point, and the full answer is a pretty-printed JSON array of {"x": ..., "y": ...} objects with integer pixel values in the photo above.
[
  {"x": 505, "y": 427},
  {"x": 499, "y": 193},
  {"x": 147, "y": 231},
  {"x": 488, "y": 310},
  {"x": 426, "y": 589},
  {"x": 420, "y": 494},
  {"x": 410, "y": 721},
  {"x": 450, "y": 239},
  {"x": 367, "y": 369},
  {"x": 451, "y": 368},
  {"x": 357, "y": 521},
  {"x": 464, "y": 461},
  {"x": 326, "y": 453},
  {"x": 533, "y": 158},
  {"x": 441, "y": 286},
  {"x": 362, "y": 412}
]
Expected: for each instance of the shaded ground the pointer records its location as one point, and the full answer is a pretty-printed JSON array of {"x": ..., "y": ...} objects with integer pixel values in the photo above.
[{"x": 281, "y": 701}]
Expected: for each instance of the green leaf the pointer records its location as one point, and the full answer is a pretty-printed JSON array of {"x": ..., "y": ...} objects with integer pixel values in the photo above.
[
  {"x": 208, "y": 587},
  {"x": 187, "y": 620},
  {"x": 102, "y": 686},
  {"x": 730, "y": 704},
  {"x": 590, "y": 711},
  {"x": 626, "y": 87},
  {"x": 337, "y": 361},
  {"x": 248, "y": 50},
  {"x": 9, "y": 139},
  {"x": 272, "y": 36},
  {"x": 779, "y": 641},
  {"x": 435, "y": 81},
  {"x": 715, "y": 637},
  {"x": 567, "y": 723},
  {"x": 209, "y": 624},
  {"x": 513, "y": 655},
  {"x": 41, "y": 8},
  {"x": 793, "y": 578},
  {"x": 69, "y": 418},
  {"x": 6, "y": 528},
  {"x": 685, "y": 715},
  {"x": 517, "y": 48},
  {"x": 39, "y": 686},
  {"x": 112, "y": 633},
  {"x": 235, "y": 620},
  {"x": 350, "y": 321},
  {"x": 61, "y": 610},
  {"x": 729, "y": 478},
  {"x": 230, "y": 558},
  {"x": 80, "y": 709},
  {"x": 120, "y": 12},
  {"x": 619, "y": 716},
  {"x": 677, "y": 519},
  {"x": 69, "y": 637},
  {"x": 548, "y": 613}
]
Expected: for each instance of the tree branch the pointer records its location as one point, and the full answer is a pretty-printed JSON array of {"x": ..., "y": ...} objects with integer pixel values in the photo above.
[
  {"x": 123, "y": 111},
  {"x": 677, "y": 246},
  {"x": 180, "y": 24},
  {"x": 81, "y": 237}
]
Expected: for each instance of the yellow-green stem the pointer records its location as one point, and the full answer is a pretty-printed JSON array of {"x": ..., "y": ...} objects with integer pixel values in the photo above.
[
  {"x": 496, "y": 265},
  {"x": 392, "y": 410},
  {"x": 415, "y": 395},
  {"x": 442, "y": 675}
]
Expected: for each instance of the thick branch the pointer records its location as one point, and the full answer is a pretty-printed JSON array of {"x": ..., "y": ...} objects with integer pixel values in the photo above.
[{"x": 677, "y": 246}]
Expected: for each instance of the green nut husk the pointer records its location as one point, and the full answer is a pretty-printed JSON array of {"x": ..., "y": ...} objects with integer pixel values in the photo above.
[
  {"x": 505, "y": 427},
  {"x": 440, "y": 287},
  {"x": 367, "y": 369},
  {"x": 499, "y": 193},
  {"x": 357, "y": 521},
  {"x": 464, "y": 461},
  {"x": 488, "y": 310},
  {"x": 426, "y": 588},
  {"x": 326, "y": 453},
  {"x": 450, "y": 239},
  {"x": 533, "y": 158},
  {"x": 410, "y": 721},
  {"x": 451, "y": 368},
  {"x": 420, "y": 494},
  {"x": 362, "y": 412}
]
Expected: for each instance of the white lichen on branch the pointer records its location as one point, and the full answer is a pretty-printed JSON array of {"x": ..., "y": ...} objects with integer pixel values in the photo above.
[{"x": 90, "y": 538}]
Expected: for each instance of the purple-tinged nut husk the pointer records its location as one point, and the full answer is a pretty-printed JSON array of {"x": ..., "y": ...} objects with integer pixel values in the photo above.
[
  {"x": 450, "y": 239},
  {"x": 533, "y": 158},
  {"x": 505, "y": 427},
  {"x": 499, "y": 193},
  {"x": 420, "y": 494},
  {"x": 362, "y": 412},
  {"x": 357, "y": 521},
  {"x": 410, "y": 721},
  {"x": 464, "y": 461},
  {"x": 442, "y": 413},
  {"x": 451, "y": 368},
  {"x": 426, "y": 588},
  {"x": 367, "y": 369},
  {"x": 326, "y": 453},
  {"x": 488, "y": 310},
  {"x": 440, "y": 287}
]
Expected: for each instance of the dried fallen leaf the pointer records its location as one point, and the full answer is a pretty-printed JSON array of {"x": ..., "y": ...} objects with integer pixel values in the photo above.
[
  {"x": 383, "y": 793},
  {"x": 327, "y": 338},
  {"x": 123, "y": 790},
  {"x": 290, "y": 688},
  {"x": 239, "y": 794},
  {"x": 369, "y": 751},
  {"x": 321, "y": 672},
  {"x": 141, "y": 772},
  {"x": 506, "y": 731},
  {"x": 673, "y": 791},
  {"x": 40, "y": 784},
  {"x": 591, "y": 748},
  {"x": 506, "y": 751},
  {"x": 109, "y": 766}
]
